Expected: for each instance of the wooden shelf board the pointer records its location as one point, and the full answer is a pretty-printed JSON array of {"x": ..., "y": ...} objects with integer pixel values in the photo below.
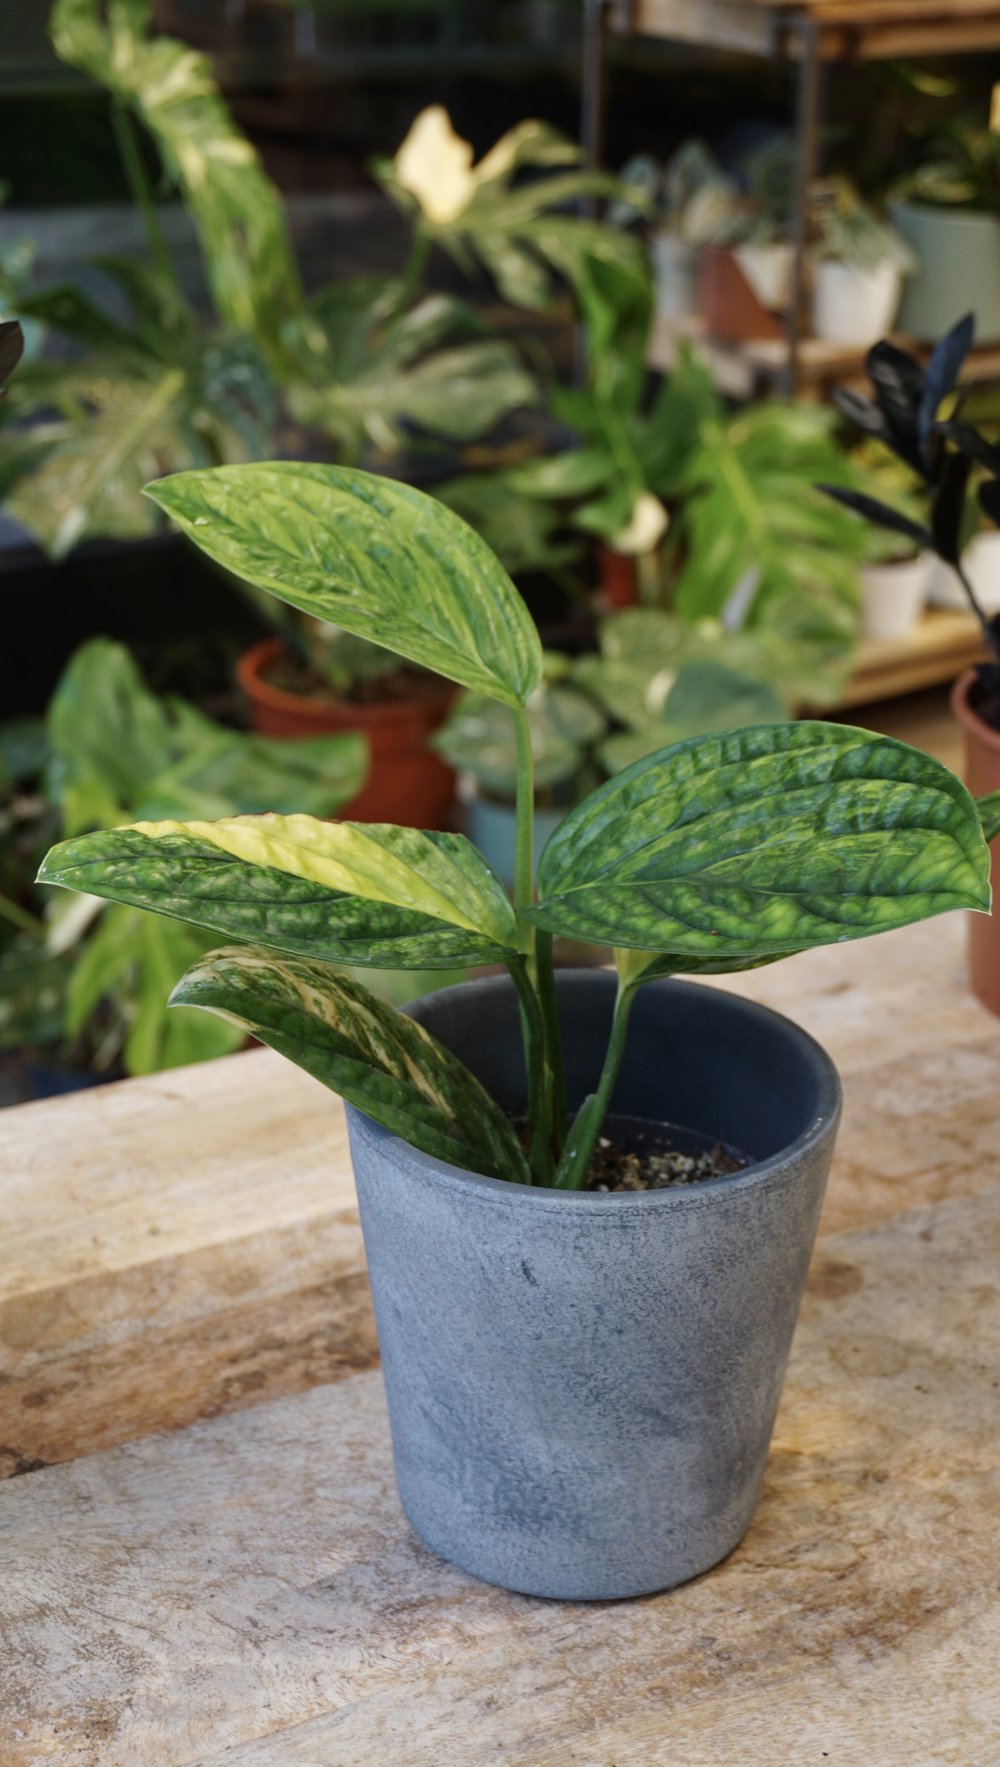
[
  {"x": 847, "y": 29},
  {"x": 939, "y": 647},
  {"x": 738, "y": 367}
]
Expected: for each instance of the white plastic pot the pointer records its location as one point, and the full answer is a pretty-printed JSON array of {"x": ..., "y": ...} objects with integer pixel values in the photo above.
[
  {"x": 981, "y": 563},
  {"x": 893, "y": 596},
  {"x": 675, "y": 266},
  {"x": 768, "y": 269},
  {"x": 854, "y": 307}
]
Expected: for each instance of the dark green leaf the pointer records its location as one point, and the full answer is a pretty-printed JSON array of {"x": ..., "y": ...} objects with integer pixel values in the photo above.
[
  {"x": 764, "y": 840},
  {"x": 989, "y": 814},
  {"x": 11, "y": 350},
  {"x": 948, "y": 508},
  {"x": 942, "y": 371},
  {"x": 882, "y": 514},
  {"x": 375, "y": 557},
  {"x": 378, "y": 1060},
  {"x": 969, "y": 441}
]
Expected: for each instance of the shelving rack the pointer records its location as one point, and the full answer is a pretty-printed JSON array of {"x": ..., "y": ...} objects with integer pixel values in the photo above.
[{"x": 808, "y": 35}]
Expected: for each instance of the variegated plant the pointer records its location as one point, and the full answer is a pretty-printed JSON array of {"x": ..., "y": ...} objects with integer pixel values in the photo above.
[{"x": 717, "y": 853}]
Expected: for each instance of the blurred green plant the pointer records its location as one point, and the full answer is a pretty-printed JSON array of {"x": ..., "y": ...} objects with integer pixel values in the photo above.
[{"x": 90, "y": 981}]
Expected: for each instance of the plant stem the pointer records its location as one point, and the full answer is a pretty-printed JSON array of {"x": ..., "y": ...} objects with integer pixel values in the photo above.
[
  {"x": 138, "y": 183},
  {"x": 553, "y": 1039},
  {"x": 414, "y": 269},
  {"x": 524, "y": 859},
  {"x": 582, "y": 1138},
  {"x": 19, "y": 917},
  {"x": 988, "y": 633},
  {"x": 533, "y": 1033}
]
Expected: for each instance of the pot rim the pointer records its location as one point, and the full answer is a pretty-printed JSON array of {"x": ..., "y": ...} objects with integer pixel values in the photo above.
[
  {"x": 251, "y": 663},
  {"x": 969, "y": 719},
  {"x": 476, "y": 1186}
]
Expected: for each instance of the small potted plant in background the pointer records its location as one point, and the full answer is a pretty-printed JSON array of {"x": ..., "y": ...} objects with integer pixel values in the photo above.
[
  {"x": 752, "y": 229},
  {"x": 946, "y": 210},
  {"x": 479, "y": 739},
  {"x": 897, "y": 569},
  {"x": 916, "y": 413},
  {"x": 859, "y": 262},
  {"x": 582, "y": 1385},
  {"x": 681, "y": 200}
]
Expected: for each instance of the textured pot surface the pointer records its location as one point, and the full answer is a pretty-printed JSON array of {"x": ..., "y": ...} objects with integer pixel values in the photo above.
[
  {"x": 582, "y": 1388},
  {"x": 958, "y": 271},
  {"x": 982, "y": 774},
  {"x": 407, "y": 782}
]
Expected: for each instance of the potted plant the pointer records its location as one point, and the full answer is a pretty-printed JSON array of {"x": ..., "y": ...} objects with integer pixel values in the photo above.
[
  {"x": 859, "y": 263},
  {"x": 679, "y": 200},
  {"x": 582, "y": 1386},
  {"x": 947, "y": 212},
  {"x": 916, "y": 414},
  {"x": 897, "y": 570},
  {"x": 748, "y": 223},
  {"x": 479, "y": 739}
]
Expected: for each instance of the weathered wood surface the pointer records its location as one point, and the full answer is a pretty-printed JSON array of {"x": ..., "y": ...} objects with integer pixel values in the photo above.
[
  {"x": 242, "y": 1590},
  {"x": 188, "y": 1245},
  {"x": 246, "y": 1593}
]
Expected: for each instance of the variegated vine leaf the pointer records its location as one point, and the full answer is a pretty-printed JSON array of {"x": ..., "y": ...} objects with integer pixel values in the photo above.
[
  {"x": 373, "y": 1056},
  {"x": 345, "y": 892},
  {"x": 762, "y": 841},
  {"x": 371, "y": 556}
]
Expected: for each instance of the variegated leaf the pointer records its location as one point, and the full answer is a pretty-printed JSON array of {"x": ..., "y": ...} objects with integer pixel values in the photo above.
[
  {"x": 346, "y": 892},
  {"x": 376, "y": 1058},
  {"x": 763, "y": 841},
  {"x": 372, "y": 556}
]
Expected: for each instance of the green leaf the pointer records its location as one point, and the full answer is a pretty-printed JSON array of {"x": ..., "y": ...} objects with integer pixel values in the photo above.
[
  {"x": 989, "y": 814},
  {"x": 375, "y": 557},
  {"x": 366, "y": 894},
  {"x": 110, "y": 735},
  {"x": 762, "y": 841},
  {"x": 479, "y": 737},
  {"x": 227, "y": 771},
  {"x": 378, "y": 1060}
]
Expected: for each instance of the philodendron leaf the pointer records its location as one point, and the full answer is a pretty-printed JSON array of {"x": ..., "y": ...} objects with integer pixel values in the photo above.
[
  {"x": 646, "y": 966},
  {"x": 763, "y": 841},
  {"x": 372, "y": 556},
  {"x": 366, "y": 894},
  {"x": 376, "y": 1058}
]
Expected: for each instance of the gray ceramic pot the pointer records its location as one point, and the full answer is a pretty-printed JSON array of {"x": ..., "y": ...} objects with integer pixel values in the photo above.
[
  {"x": 582, "y": 1388},
  {"x": 958, "y": 270}
]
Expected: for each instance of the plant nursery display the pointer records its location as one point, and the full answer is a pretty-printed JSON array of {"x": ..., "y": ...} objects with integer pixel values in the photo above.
[
  {"x": 83, "y": 985},
  {"x": 547, "y": 1349},
  {"x": 916, "y": 413}
]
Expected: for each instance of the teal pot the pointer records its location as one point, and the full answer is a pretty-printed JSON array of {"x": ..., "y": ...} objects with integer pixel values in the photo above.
[
  {"x": 492, "y": 828},
  {"x": 582, "y": 1388},
  {"x": 958, "y": 271}
]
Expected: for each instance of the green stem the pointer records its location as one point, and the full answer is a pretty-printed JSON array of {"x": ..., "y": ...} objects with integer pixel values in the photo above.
[
  {"x": 553, "y": 1038},
  {"x": 138, "y": 183},
  {"x": 533, "y": 1034},
  {"x": 19, "y": 917},
  {"x": 582, "y": 1138},
  {"x": 414, "y": 269}
]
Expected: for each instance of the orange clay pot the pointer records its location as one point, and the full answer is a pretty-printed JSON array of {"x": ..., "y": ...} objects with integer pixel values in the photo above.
[
  {"x": 982, "y": 774},
  {"x": 407, "y": 783}
]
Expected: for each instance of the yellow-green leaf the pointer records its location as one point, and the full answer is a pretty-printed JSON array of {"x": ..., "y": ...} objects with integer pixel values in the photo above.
[
  {"x": 376, "y": 1058},
  {"x": 365, "y": 894},
  {"x": 372, "y": 556}
]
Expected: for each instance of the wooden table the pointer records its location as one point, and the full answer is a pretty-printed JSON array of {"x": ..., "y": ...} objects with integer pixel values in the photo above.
[{"x": 205, "y": 1560}]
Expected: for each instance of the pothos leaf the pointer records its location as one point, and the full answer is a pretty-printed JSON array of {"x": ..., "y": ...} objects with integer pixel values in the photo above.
[
  {"x": 372, "y": 556},
  {"x": 377, "y": 1059},
  {"x": 763, "y": 841},
  {"x": 360, "y": 893}
]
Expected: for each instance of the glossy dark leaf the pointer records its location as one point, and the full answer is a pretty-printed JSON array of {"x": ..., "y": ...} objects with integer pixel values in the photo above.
[
  {"x": 989, "y": 500},
  {"x": 942, "y": 372},
  {"x": 968, "y": 441},
  {"x": 369, "y": 555},
  {"x": 375, "y": 1057},
  {"x": 764, "y": 840},
  {"x": 859, "y": 410},
  {"x": 898, "y": 380},
  {"x": 882, "y": 514},
  {"x": 948, "y": 508}
]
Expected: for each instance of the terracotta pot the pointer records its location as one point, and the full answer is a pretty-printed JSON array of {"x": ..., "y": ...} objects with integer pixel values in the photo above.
[
  {"x": 616, "y": 579},
  {"x": 982, "y": 774},
  {"x": 729, "y": 306},
  {"x": 407, "y": 783}
]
